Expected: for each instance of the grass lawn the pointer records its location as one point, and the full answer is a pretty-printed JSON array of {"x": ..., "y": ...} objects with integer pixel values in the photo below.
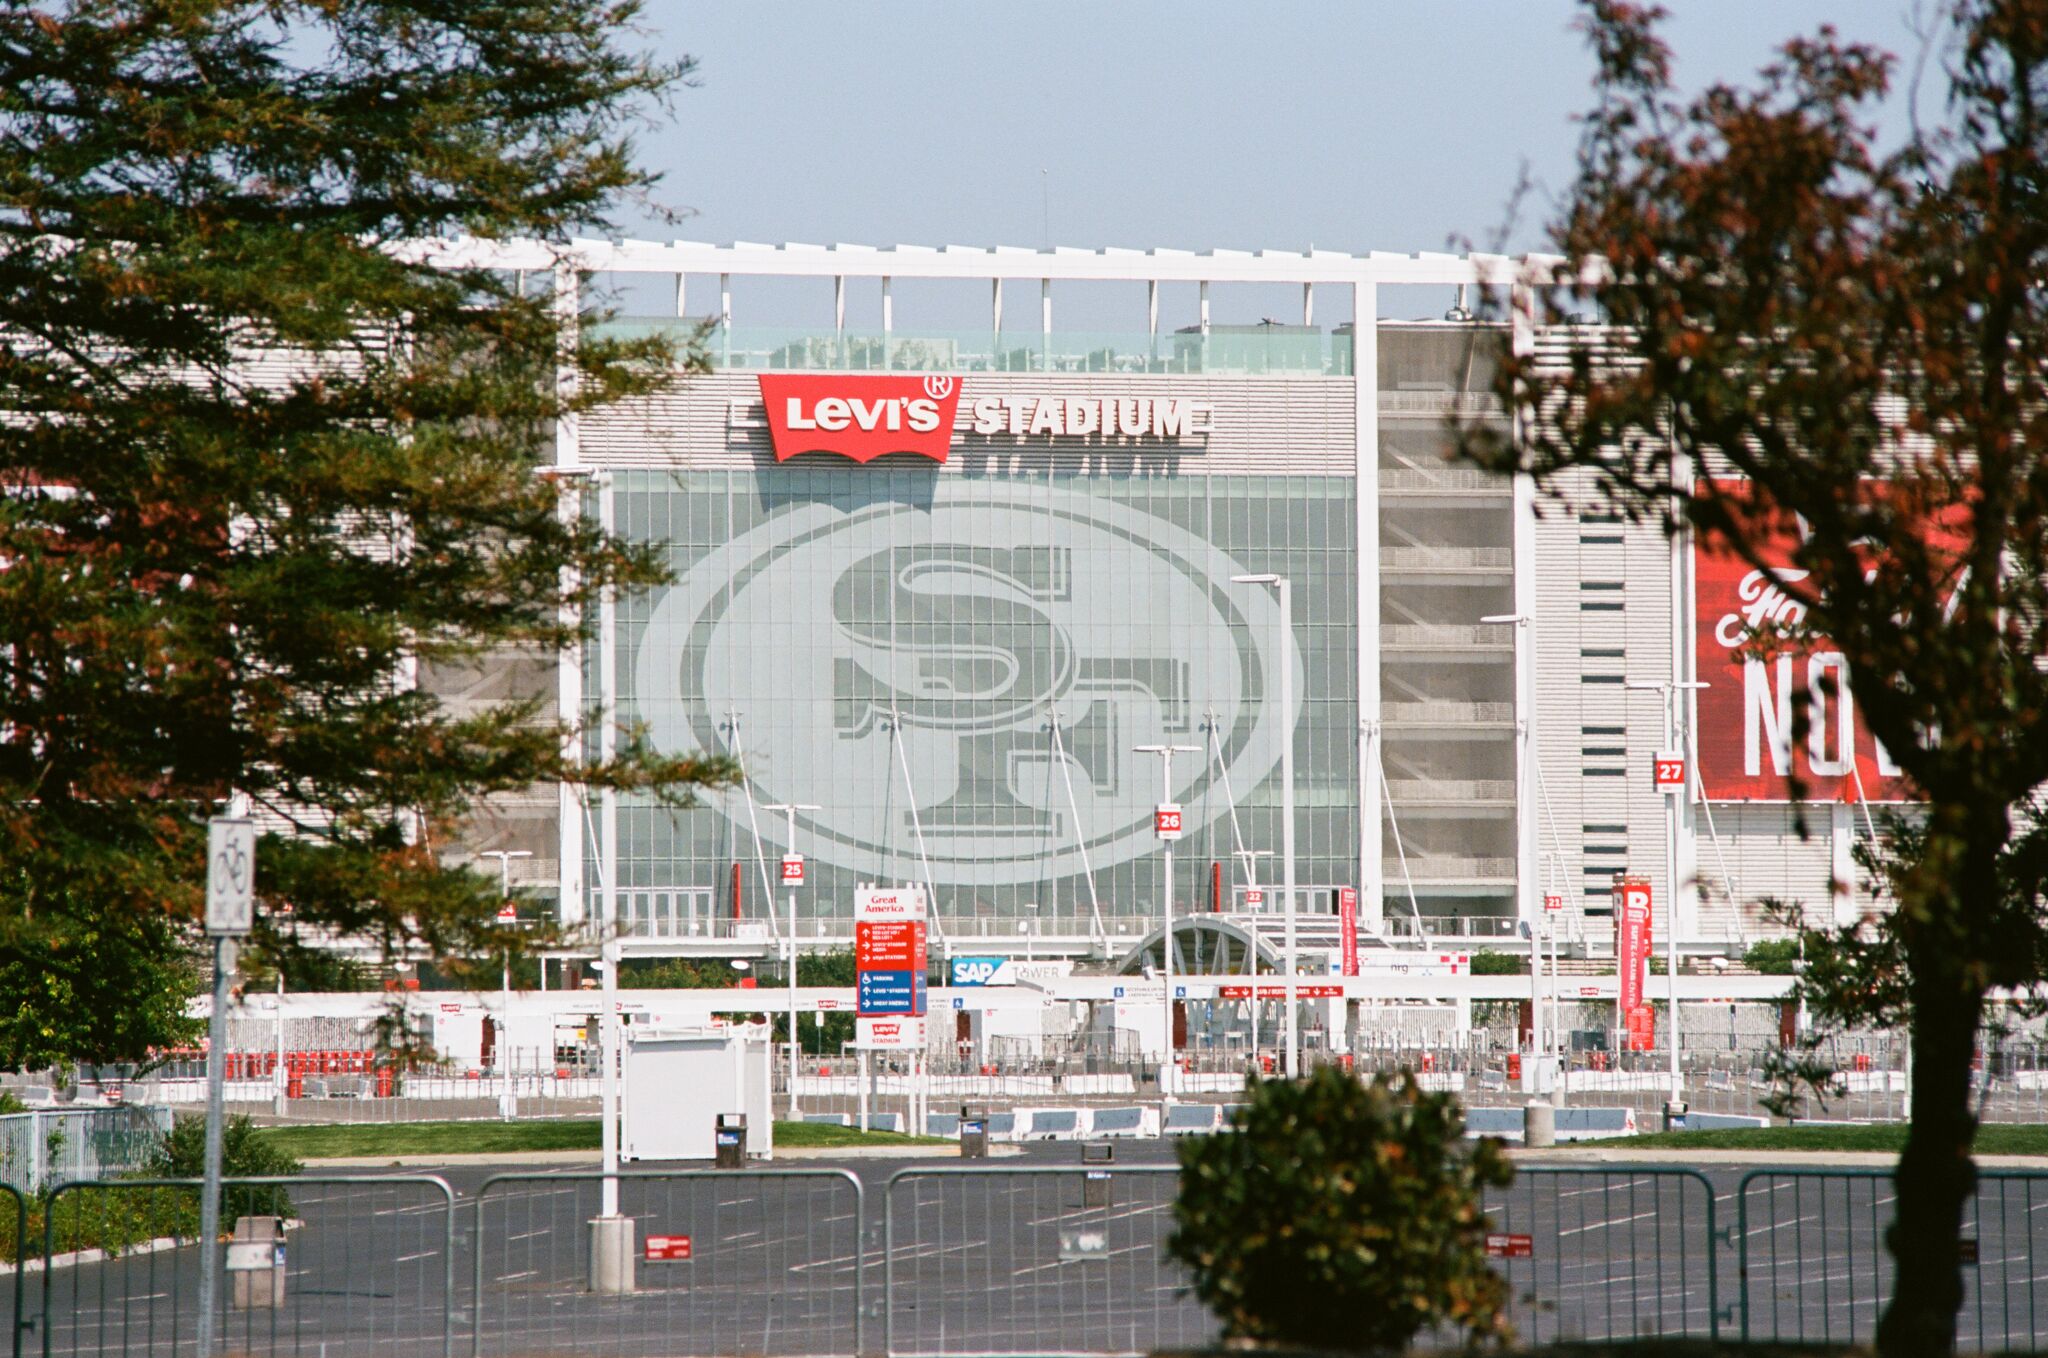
[
  {"x": 1992, "y": 1139},
  {"x": 444, "y": 1138}
]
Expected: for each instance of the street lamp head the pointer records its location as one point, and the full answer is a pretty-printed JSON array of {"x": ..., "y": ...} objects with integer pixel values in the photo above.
[
  {"x": 1268, "y": 578},
  {"x": 741, "y": 964},
  {"x": 1518, "y": 619}
]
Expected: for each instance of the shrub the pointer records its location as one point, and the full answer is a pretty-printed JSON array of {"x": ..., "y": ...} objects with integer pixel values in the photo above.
[
  {"x": 1341, "y": 1216},
  {"x": 243, "y": 1154},
  {"x": 1487, "y": 962},
  {"x": 1773, "y": 956}
]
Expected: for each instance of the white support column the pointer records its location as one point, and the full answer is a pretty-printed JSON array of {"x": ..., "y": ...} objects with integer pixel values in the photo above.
[
  {"x": 569, "y": 906},
  {"x": 995, "y": 306},
  {"x": 839, "y": 305},
  {"x": 1205, "y": 311},
  {"x": 1684, "y": 670},
  {"x": 725, "y": 320},
  {"x": 1528, "y": 871},
  {"x": 682, "y": 295},
  {"x": 1308, "y": 304},
  {"x": 1842, "y": 861},
  {"x": 1365, "y": 388},
  {"x": 888, "y": 324},
  {"x": 1045, "y": 324}
]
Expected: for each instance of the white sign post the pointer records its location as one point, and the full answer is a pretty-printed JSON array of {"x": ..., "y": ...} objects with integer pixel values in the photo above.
[{"x": 230, "y": 909}]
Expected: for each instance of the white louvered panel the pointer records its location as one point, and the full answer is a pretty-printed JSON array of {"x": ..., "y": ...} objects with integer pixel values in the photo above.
[
  {"x": 1260, "y": 426},
  {"x": 1767, "y": 857}
]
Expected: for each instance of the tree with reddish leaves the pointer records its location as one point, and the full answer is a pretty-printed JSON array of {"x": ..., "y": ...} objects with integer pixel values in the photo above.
[
  {"x": 1805, "y": 335},
  {"x": 260, "y": 459}
]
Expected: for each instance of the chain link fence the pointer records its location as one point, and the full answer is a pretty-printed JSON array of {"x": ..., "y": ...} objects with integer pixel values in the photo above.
[
  {"x": 758, "y": 1262},
  {"x": 355, "y": 1264},
  {"x": 967, "y": 1260},
  {"x": 50, "y": 1145}
]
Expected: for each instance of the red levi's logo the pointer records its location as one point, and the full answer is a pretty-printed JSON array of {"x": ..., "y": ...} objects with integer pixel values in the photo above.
[{"x": 859, "y": 417}]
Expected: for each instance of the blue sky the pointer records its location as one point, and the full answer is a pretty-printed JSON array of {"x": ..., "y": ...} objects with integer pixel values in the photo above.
[{"x": 1392, "y": 126}]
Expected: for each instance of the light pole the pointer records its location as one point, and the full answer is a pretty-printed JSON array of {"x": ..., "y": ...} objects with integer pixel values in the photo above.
[
  {"x": 1284, "y": 662},
  {"x": 1030, "y": 927},
  {"x": 1669, "y": 689},
  {"x": 1166, "y": 824},
  {"x": 1251, "y": 859},
  {"x": 510, "y": 1103},
  {"x": 789, "y": 810}
]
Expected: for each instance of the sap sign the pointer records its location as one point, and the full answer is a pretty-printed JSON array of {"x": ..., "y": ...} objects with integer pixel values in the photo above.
[{"x": 977, "y": 970}]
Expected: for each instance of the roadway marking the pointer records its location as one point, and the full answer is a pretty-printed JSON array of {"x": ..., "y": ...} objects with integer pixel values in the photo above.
[{"x": 1603, "y": 1225}]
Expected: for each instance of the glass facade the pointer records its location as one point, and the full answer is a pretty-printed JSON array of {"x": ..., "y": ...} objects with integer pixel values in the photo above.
[{"x": 955, "y": 665}]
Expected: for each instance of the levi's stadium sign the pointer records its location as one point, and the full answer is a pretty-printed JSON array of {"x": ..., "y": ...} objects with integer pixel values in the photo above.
[{"x": 865, "y": 417}]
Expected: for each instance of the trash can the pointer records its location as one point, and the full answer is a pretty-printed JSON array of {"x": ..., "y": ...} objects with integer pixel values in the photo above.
[
  {"x": 731, "y": 1141},
  {"x": 1095, "y": 1182},
  {"x": 973, "y": 1133},
  {"x": 256, "y": 1264}
]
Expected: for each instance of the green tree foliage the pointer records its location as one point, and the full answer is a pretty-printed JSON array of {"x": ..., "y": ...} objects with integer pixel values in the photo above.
[
  {"x": 1858, "y": 335},
  {"x": 220, "y": 571},
  {"x": 1487, "y": 962},
  {"x": 84, "y": 986},
  {"x": 1773, "y": 956},
  {"x": 1341, "y": 1216},
  {"x": 244, "y": 1153}
]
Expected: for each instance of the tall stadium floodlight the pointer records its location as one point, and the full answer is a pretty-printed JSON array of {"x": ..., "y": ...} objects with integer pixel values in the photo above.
[
  {"x": 792, "y": 877},
  {"x": 1673, "y": 774},
  {"x": 1166, "y": 824},
  {"x": 508, "y": 917},
  {"x": 1284, "y": 662}
]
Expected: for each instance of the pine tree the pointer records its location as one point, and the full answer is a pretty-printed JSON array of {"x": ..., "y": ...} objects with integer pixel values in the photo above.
[{"x": 260, "y": 456}]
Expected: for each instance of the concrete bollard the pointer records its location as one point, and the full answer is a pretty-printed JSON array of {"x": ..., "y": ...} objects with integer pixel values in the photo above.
[
  {"x": 1539, "y": 1123},
  {"x": 611, "y": 1255}
]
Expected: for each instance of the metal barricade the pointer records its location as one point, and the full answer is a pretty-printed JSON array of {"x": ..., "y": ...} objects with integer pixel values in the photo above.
[
  {"x": 764, "y": 1261},
  {"x": 1009, "y": 1261},
  {"x": 369, "y": 1265},
  {"x": 1617, "y": 1252},
  {"x": 1815, "y": 1267},
  {"x": 16, "y": 1253}
]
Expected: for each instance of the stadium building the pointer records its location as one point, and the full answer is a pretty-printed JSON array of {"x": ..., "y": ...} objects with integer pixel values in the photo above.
[{"x": 935, "y": 586}]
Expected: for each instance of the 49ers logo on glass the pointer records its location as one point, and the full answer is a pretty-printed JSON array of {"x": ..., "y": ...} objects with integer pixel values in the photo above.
[{"x": 859, "y": 417}]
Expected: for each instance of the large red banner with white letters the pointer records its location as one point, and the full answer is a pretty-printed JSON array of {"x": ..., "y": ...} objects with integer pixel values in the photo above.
[{"x": 1746, "y": 744}]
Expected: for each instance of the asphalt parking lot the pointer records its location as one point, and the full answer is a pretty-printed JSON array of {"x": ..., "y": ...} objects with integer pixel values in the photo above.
[{"x": 1026, "y": 1259}]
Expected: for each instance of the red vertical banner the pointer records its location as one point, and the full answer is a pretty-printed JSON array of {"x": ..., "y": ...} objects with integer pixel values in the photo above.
[
  {"x": 1347, "y": 927},
  {"x": 1632, "y": 940}
]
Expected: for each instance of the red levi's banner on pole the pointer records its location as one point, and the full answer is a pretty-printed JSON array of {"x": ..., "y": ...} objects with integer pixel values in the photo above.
[
  {"x": 1746, "y": 748},
  {"x": 1632, "y": 940},
  {"x": 859, "y": 416}
]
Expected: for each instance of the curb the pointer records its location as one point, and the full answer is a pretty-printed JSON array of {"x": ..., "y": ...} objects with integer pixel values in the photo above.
[
  {"x": 1619, "y": 1155},
  {"x": 457, "y": 1158},
  {"x": 94, "y": 1256}
]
